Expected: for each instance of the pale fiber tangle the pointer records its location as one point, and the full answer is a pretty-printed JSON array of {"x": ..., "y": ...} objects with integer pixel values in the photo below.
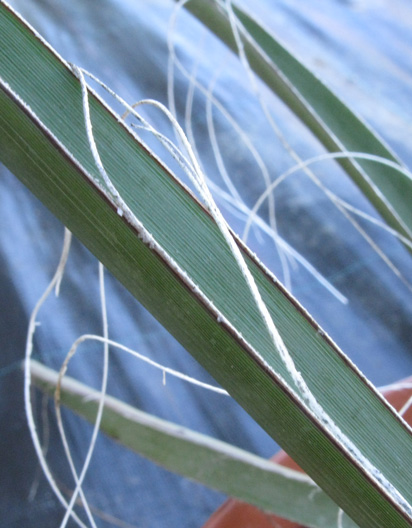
[
  {"x": 55, "y": 283},
  {"x": 122, "y": 209},
  {"x": 341, "y": 204},
  {"x": 227, "y": 5},
  {"x": 79, "y": 480},
  {"x": 233, "y": 199},
  {"x": 344, "y": 208},
  {"x": 195, "y": 174},
  {"x": 197, "y": 178},
  {"x": 78, "y": 487},
  {"x": 253, "y": 219}
]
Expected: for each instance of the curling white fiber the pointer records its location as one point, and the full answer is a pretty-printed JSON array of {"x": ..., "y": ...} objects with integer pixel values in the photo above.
[
  {"x": 27, "y": 377},
  {"x": 165, "y": 370},
  {"x": 79, "y": 479},
  {"x": 341, "y": 204},
  {"x": 323, "y": 157}
]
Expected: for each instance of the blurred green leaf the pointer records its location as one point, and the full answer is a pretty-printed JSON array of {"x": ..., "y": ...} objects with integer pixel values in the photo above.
[
  {"x": 330, "y": 120},
  {"x": 201, "y": 458}
]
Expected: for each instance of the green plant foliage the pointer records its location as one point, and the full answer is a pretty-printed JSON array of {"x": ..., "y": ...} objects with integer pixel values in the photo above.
[{"x": 203, "y": 301}]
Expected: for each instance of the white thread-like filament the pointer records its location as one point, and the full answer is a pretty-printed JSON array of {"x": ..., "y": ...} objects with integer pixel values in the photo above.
[
  {"x": 79, "y": 479},
  {"x": 340, "y": 518},
  {"x": 27, "y": 376},
  {"x": 137, "y": 355},
  {"x": 341, "y": 204}
]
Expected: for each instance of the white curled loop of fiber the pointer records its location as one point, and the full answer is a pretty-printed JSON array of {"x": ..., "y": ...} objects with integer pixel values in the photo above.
[
  {"x": 323, "y": 157},
  {"x": 80, "y": 478},
  {"x": 54, "y": 283},
  {"x": 303, "y": 391},
  {"x": 345, "y": 209},
  {"x": 236, "y": 29},
  {"x": 343, "y": 206}
]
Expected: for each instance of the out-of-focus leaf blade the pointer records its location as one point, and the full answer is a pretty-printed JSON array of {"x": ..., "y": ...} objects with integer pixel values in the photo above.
[
  {"x": 201, "y": 458},
  {"x": 332, "y": 122}
]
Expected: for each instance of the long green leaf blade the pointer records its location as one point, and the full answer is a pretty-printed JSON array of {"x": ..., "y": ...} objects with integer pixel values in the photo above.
[{"x": 43, "y": 141}]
